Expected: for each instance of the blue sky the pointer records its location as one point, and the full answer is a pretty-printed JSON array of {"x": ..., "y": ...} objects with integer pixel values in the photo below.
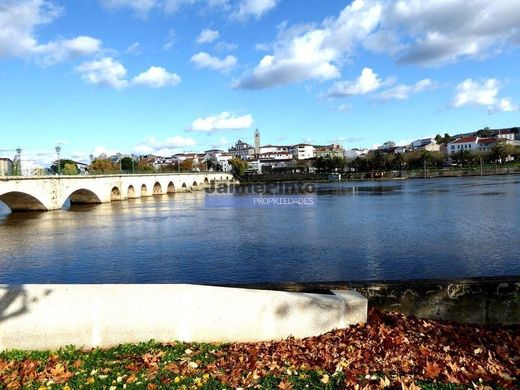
[{"x": 166, "y": 76}]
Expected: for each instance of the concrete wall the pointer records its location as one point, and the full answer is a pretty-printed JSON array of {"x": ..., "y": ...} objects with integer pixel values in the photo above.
[
  {"x": 50, "y": 316},
  {"x": 484, "y": 301},
  {"x": 51, "y": 192}
]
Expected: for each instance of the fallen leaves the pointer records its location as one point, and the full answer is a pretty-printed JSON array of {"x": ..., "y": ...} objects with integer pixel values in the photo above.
[{"x": 389, "y": 351}]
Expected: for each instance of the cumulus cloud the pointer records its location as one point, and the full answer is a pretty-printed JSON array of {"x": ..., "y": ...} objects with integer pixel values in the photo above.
[
  {"x": 67, "y": 49},
  {"x": 308, "y": 53},
  {"x": 157, "y": 77},
  {"x": 367, "y": 81},
  {"x": 253, "y": 8},
  {"x": 204, "y": 60},
  {"x": 445, "y": 31},
  {"x": 404, "y": 91},
  {"x": 427, "y": 33},
  {"x": 104, "y": 72},
  {"x": 107, "y": 72},
  {"x": 207, "y": 36},
  {"x": 222, "y": 121},
  {"x": 165, "y": 147},
  {"x": 18, "y": 21},
  {"x": 471, "y": 93}
]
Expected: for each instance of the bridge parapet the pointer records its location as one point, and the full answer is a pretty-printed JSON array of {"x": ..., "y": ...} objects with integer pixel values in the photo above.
[{"x": 50, "y": 192}]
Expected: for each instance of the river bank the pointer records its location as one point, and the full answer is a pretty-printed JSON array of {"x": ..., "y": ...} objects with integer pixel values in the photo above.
[{"x": 387, "y": 175}]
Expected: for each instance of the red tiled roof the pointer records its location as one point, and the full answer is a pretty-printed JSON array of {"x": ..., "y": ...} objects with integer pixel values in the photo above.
[
  {"x": 487, "y": 141},
  {"x": 464, "y": 140}
]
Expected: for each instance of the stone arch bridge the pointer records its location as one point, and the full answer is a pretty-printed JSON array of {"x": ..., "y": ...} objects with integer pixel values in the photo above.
[{"x": 50, "y": 192}]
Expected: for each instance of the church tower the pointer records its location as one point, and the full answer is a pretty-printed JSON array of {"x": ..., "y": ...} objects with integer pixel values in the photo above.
[{"x": 257, "y": 142}]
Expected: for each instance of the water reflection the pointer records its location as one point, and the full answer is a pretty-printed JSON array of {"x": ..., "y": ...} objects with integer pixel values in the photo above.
[{"x": 360, "y": 230}]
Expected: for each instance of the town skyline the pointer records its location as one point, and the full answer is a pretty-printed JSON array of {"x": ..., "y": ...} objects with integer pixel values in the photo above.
[{"x": 191, "y": 76}]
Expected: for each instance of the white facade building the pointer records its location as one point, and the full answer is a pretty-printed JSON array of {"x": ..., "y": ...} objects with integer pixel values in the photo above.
[
  {"x": 303, "y": 151},
  {"x": 471, "y": 144},
  {"x": 6, "y": 166}
]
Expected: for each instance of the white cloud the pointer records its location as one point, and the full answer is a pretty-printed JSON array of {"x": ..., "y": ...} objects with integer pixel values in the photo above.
[
  {"x": 411, "y": 31},
  {"x": 133, "y": 48},
  {"x": 367, "y": 81},
  {"x": 403, "y": 91},
  {"x": 504, "y": 105},
  {"x": 104, "y": 72},
  {"x": 204, "y": 60},
  {"x": 207, "y": 36},
  {"x": 156, "y": 77},
  {"x": 141, "y": 7},
  {"x": 308, "y": 53},
  {"x": 108, "y": 72},
  {"x": 67, "y": 49},
  {"x": 472, "y": 93},
  {"x": 222, "y": 121},
  {"x": 165, "y": 147},
  {"x": 253, "y": 8},
  {"x": 18, "y": 21},
  {"x": 437, "y": 32},
  {"x": 170, "y": 41}
]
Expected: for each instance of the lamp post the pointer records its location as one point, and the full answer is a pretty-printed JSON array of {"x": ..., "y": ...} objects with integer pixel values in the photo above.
[
  {"x": 58, "y": 150},
  {"x": 18, "y": 162}
]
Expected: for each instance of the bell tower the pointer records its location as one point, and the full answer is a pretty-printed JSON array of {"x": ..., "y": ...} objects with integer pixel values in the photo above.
[{"x": 257, "y": 142}]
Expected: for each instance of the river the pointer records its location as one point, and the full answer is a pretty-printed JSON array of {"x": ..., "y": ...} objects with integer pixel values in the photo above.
[{"x": 408, "y": 229}]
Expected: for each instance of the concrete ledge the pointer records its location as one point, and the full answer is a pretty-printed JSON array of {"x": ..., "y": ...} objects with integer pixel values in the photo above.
[
  {"x": 482, "y": 300},
  {"x": 50, "y": 316}
]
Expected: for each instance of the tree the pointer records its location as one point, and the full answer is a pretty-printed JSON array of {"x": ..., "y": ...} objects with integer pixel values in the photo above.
[
  {"x": 484, "y": 133},
  {"x": 187, "y": 165},
  {"x": 144, "y": 166},
  {"x": 443, "y": 140},
  {"x": 103, "y": 166},
  {"x": 127, "y": 164},
  {"x": 238, "y": 166},
  {"x": 214, "y": 165},
  {"x": 70, "y": 169}
]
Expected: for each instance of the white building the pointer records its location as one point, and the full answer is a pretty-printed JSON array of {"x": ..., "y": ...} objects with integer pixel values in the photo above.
[
  {"x": 471, "y": 144},
  {"x": 303, "y": 151},
  {"x": 223, "y": 161},
  {"x": 506, "y": 134},
  {"x": 334, "y": 150},
  {"x": 6, "y": 166},
  {"x": 275, "y": 149},
  {"x": 242, "y": 150},
  {"x": 351, "y": 154},
  {"x": 275, "y": 156},
  {"x": 428, "y": 144}
]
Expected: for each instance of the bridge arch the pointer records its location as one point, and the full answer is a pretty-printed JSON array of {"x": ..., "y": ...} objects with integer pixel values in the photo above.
[
  {"x": 131, "y": 191},
  {"x": 184, "y": 186},
  {"x": 194, "y": 184},
  {"x": 157, "y": 189},
  {"x": 115, "y": 194},
  {"x": 83, "y": 196},
  {"x": 144, "y": 190},
  {"x": 206, "y": 181},
  {"x": 171, "y": 188},
  {"x": 20, "y": 201}
]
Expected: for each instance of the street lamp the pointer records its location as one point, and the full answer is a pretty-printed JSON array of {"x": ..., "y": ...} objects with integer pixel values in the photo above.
[
  {"x": 58, "y": 150},
  {"x": 18, "y": 161}
]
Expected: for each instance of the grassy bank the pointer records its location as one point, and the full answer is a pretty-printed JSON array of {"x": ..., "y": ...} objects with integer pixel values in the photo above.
[{"x": 389, "y": 351}]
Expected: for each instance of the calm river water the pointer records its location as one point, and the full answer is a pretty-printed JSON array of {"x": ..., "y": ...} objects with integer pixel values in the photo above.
[{"x": 456, "y": 227}]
